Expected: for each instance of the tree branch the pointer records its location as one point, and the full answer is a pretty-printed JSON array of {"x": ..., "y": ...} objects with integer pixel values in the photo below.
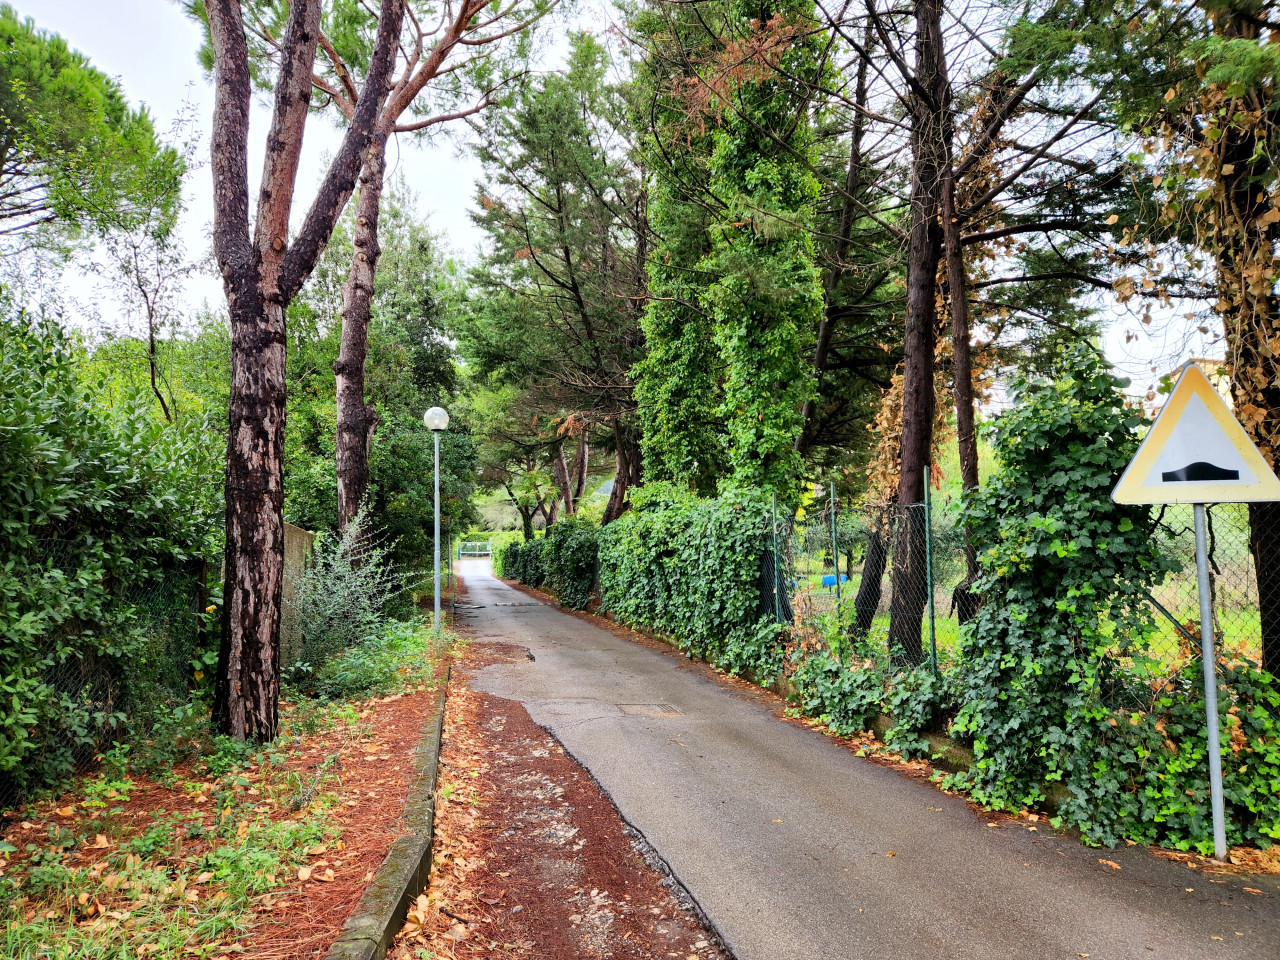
[
  {"x": 284, "y": 140},
  {"x": 229, "y": 141},
  {"x": 338, "y": 183}
]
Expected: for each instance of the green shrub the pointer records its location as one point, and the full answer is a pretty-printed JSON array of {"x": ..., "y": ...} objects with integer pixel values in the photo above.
[
  {"x": 919, "y": 702},
  {"x": 1149, "y": 766},
  {"x": 569, "y": 557},
  {"x": 523, "y": 562},
  {"x": 344, "y": 598},
  {"x": 378, "y": 665},
  {"x": 690, "y": 569},
  {"x": 1057, "y": 684},
  {"x": 95, "y": 506},
  {"x": 844, "y": 695},
  {"x": 500, "y": 560}
]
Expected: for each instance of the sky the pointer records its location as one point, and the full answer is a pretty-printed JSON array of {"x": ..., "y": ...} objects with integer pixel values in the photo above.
[{"x": 150, "y": 47}]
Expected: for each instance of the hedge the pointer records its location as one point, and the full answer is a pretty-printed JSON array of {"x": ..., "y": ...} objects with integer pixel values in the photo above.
[
  {"x": 104, "y": 513},
  {"x": 690, "y": 568},
  {"x": 563, "y": 561}
]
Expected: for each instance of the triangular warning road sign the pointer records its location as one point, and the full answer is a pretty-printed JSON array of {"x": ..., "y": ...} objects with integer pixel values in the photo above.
[{"x": 1196, "y": 452}]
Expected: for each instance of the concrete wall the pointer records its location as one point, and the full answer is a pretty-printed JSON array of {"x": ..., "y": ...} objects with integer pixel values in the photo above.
[{"x": 297, "y": 547}]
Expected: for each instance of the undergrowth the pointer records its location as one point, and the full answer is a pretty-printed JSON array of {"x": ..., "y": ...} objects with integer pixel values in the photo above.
[
  {"x": 242, "y": 824},
  {"x": 83, "y": 884}
]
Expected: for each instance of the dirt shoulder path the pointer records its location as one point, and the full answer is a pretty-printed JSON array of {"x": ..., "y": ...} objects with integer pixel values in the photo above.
[{"x": 531, "y": 858}]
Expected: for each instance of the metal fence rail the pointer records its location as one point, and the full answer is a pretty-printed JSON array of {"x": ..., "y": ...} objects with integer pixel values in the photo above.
[
  {"x": 842, "y": 563},
  {"x": 474, "y": 548},
  {"x": 1233, "y": 581}
]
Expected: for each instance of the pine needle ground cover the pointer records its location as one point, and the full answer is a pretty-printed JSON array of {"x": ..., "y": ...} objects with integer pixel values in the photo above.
[{"x": 255, "y": 852}]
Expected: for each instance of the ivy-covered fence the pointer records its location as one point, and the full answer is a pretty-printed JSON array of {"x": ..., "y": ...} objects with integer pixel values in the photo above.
[
  {"x": 840, "y": 561},
  {"x": 564, "y": 561},
  {"x": 691, "y": 569},
  {"x": 1063, "y": 684}
]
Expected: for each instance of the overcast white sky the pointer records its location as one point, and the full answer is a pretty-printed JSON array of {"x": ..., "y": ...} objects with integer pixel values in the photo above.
[{"x": 150, "y": 46}]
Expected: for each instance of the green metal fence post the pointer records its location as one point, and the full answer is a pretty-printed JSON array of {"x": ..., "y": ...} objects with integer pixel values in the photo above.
[
  {"x": 777, "y": 583},
  {"x": 835, "y": 545},
  {"x": 928, "y": 565}
]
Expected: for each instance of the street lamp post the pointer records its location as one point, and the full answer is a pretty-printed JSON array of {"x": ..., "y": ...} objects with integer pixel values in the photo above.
[{"x": 437, "y": 419}]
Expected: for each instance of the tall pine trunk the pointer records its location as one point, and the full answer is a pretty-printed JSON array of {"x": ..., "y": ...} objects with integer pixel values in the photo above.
[
  {"x": 626, "y": 457},
  {"x": 852, "y": 190},
  {"x": 563, "y": 479},
  {"x": 1264, "y": 544},
  {"x": 1244, "y": 240},
  {"x": 963, "y": 597},
  {"x": 357, "y": 419},
  {"x": 930, "y": 107},
  {"x": 261, "y": 273},
  {"x": 248, "y": 682},
  {"x": 580, "y": 463},
  {"x": 867, "y": 600}
]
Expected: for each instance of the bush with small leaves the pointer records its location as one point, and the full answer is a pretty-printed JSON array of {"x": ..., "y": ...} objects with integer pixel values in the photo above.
[{"x": 344, "y": 598}]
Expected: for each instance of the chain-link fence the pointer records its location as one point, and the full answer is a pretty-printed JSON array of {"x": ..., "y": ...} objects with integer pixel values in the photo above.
[
  {"x": 893, "y": 574},
  {"x": 899, "y": 575},
  {"x": 98, "y": 693},
  {"x": 1233, "y": 584}
]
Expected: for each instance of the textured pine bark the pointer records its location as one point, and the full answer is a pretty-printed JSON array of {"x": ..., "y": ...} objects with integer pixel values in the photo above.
[
  {"x": 579, "y": 470},
  {"x": 867, "y": 600},
  {"x": 357, "y": 419},
  {"x": 260, "y": 276},
  {"x": 248, "y": 681},
  {"x": 560, "y": 472},
  {"x": 626, "y": 459},
  {"x": 839, "y": 268},
  {"x": 930, "y": 107}
]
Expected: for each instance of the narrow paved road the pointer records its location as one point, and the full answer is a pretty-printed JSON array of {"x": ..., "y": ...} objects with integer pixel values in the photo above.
[{"x": 798, "y": 850}]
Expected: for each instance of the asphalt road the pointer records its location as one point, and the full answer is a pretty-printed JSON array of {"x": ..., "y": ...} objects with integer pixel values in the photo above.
[{"x": 799, "y": 850}]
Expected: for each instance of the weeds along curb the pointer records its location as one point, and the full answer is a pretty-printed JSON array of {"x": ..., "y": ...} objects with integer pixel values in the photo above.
[{"x": 406, "y": 869}]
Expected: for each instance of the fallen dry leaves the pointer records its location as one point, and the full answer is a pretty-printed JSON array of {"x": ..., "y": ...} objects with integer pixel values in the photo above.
[
  {"x": 376, "y": 767},
  {"x": 303, "y": 914},
  {"x": 531, "y": 859}
]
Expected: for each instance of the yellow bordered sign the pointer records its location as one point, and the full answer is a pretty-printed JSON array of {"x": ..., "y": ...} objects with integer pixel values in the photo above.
[{"x": 1196, "y": 452}]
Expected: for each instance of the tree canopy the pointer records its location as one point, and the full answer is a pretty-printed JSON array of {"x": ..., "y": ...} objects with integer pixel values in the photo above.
[{"x": 72, "y": 150}]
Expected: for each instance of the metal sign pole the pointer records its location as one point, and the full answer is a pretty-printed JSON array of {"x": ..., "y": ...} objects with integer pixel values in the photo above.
[{"x": 1208, "y": 654}]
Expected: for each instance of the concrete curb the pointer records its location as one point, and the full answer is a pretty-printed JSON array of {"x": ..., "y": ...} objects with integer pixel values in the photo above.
[{"x": 406, "y": 869}]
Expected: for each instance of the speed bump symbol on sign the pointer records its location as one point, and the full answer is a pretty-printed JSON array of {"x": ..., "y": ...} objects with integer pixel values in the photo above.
[{"x": 1196, "y": 452}]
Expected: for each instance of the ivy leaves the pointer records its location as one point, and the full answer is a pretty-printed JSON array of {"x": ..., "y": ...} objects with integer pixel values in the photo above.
[
  {"x": 690, "y": 569},
  {"x": 1055, "y": 660}
]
